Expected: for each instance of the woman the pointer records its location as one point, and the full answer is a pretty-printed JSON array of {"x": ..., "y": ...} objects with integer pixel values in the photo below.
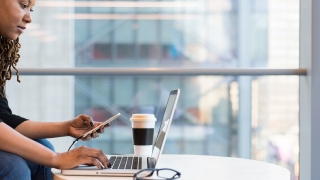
[{"x": 24, "y": 154}]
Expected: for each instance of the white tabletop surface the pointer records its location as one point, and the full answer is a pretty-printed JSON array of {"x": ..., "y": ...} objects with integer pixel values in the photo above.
[{"x": 207, "y": 167}]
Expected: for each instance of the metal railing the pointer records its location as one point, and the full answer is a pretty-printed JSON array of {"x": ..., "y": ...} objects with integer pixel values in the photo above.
[{"x": 161, "y": 71}]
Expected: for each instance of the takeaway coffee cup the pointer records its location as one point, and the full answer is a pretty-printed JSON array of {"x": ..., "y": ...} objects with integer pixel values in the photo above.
[{"x": 142, "y": 133}]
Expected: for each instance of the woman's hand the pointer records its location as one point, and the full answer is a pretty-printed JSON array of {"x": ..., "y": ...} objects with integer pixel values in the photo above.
[
  {"x": 79, "y": 156},
  {"x": 81, "y": 124}
]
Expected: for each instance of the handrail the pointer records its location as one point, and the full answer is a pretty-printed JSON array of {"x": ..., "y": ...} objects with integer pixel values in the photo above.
[{"x": 161, "y": 71}]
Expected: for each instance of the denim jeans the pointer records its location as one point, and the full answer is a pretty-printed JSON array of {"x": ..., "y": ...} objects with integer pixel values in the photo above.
[{"x": 13, "y": 167}]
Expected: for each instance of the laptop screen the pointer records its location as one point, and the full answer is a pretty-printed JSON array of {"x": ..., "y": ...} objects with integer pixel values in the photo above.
[{"x": 165, "y": 124}]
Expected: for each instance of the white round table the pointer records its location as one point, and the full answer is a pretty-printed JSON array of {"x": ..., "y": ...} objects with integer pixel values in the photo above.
[{"x": 206, "y": 168}]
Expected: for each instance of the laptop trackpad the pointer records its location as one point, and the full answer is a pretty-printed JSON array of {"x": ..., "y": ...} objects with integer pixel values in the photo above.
[{"x": 86, "y": 167}]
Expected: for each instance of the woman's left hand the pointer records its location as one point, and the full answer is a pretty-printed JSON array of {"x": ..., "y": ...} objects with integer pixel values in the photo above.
[{"x": 81, "y": 124}]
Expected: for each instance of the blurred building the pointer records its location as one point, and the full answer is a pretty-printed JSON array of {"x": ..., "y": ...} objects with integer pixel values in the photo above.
[{"x": 175, "y": 34}]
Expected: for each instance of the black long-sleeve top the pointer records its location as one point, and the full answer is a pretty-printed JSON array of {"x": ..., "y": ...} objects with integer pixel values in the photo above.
[{"x": 6, "y": 115}]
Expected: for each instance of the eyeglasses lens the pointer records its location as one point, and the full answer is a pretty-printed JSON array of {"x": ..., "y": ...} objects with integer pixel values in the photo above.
[
  {"x": 168, "y": 174},
  {"x": 143, "y": 174}
]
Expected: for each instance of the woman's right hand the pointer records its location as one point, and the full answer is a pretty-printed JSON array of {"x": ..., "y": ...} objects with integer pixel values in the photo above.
[{"x": 79, "y": 156}]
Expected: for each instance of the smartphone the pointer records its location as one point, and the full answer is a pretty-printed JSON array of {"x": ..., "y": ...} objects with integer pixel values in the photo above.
[{"x": 102, "y": 124}]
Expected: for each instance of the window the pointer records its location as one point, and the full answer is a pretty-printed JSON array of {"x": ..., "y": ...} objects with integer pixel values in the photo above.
[{"x": 241, "y": 116}]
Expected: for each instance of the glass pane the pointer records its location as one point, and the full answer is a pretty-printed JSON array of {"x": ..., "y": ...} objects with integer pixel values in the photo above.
[
  {"x": 209, "y": 106},
  {"x": 159, "y": 33},
  {"x": 198, "y": 33}
]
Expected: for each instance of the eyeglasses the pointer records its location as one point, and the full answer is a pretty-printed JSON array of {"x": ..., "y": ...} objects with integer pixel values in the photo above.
[{"x": 165, "y": 173}]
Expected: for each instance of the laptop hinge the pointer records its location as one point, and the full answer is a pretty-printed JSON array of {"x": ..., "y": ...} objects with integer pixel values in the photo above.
[{"x": 151, "y": 162}]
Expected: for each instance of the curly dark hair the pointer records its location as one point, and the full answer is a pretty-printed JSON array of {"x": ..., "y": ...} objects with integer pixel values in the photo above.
[{"x": 9, "y": 58}]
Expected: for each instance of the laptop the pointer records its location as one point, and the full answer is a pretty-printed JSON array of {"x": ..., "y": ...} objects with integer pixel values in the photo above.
[{"x": 128, "y": 165}]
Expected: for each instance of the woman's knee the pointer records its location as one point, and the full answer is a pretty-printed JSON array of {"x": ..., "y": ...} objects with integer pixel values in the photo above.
[
  {"x": 13, "y": 167},
  {"x": 40, "y": 171},
  {"x": 45, "y": 143}
]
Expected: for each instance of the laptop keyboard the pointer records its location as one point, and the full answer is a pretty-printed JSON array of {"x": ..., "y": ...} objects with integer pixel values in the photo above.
[{"x": 125, "y": 162}]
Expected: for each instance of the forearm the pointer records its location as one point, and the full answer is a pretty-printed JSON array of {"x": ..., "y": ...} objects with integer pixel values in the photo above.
[
  {"x": 38, "y": 130},
  {"x": 13, "y": 142}
]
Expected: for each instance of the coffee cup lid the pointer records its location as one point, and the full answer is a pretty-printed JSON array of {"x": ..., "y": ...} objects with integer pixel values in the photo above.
[{"x": 143, "y": 117}]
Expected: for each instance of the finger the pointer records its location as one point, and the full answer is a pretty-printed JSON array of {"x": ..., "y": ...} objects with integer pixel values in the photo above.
[
  {"x": 101, "y": 130},
  {"x": 94, "y": 161},
  {"x": 95, "y": 134},
  {"x": 98, "y": 154},
  {"x": 87, "y": 119},
  {"x": 91, "y": 121},
  {"x": 104, "y": 159},
  {"x": 92, "y": 135},
  {"x": 87, "y": 138},
  {"x": 97, "y": 124}
]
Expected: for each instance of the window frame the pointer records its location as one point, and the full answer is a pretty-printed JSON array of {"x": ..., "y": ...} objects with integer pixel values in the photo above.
[
  {"x": 309, "y": 72},
  {"x": 309, "y": 159}
]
